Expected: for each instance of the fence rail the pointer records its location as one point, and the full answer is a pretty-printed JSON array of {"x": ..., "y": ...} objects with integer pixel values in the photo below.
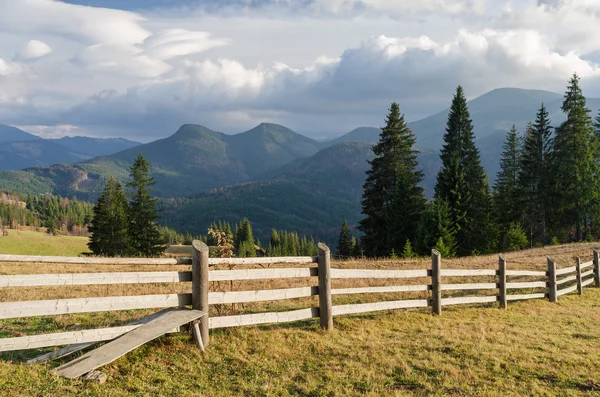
[{"x": 436, "y": 281}]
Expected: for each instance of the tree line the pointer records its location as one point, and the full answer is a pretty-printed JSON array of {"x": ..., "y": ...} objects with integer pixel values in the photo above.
[{"x": 547, "y": 190}]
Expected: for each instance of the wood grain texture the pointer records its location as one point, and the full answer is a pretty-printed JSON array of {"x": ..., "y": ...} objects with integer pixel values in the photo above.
[
  {"x": 261, "y": 295},
  {"x": 324, "y": 290},
  {"x": 468, "y": 300},
  {"x": 552, "y": 285},
  {"x": 92, "y": 260},
  {"x": 126, "y": 343},
  {"x": 502, "y": 285},
  {"x": 379, "y": 290},
  {"x": 262, "y": 318},
  {"x": 39, "y": 280},
  {"x": 528, "y": 273},
  {"x": 566, "y": 280},
  {"x": 372, "y": 274},
  {"x": 467, "y": 272},
  {"x": 526, "y": 296},
  {"x": 90, "y": 305},
  {"x": 585, "y": 265},
  {"x": 436, "y": 282},
  {"x": 467, "y": 287},
  {"x": 378, "y": 306},
  {"x": 522, "y": 285},
  {"x": 261, "y": 274},
  {"x": 263, "y": 261},
  {"x": 566, "y": 270},
  {"x": 200, "y": 300}
]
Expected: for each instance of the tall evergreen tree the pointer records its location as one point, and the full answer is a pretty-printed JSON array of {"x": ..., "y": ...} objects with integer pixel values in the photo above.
[
  {"x": 109, "y": 228},
  {"x": 345, "y": 241},
  {"x": 394, "y": 169},
  {"x": 462, "y": 181},
  {"x": 143, "y": 233},
  {"x": 507, "y": 203},
  {"x": 575, "y": 168},
  {"x": 597, "y": 125},
  {"x": 244, "y": 240},
  {"x": 535, "y": 178}
]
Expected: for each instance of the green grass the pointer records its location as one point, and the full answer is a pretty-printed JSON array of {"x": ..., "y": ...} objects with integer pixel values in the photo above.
[
  {"x": 34, "y": 243},
  {"x": 533, "y": 348}
]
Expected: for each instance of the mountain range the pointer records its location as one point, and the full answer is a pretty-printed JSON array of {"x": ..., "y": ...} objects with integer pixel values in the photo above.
[
  {"x": 19, "y": 149},
  {"x": 273, "y": 175}
]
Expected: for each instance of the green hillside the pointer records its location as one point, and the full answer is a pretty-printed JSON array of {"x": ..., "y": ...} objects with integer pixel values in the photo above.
[
  {"x": 192, "y": 160},
  {"x": 312, "y": 197}
]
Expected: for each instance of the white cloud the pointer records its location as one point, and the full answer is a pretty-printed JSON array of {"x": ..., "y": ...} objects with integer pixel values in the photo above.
[{"x": 33, "y": 50}]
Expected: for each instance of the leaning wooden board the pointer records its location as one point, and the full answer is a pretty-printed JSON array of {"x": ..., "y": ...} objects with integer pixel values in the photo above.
[{"x": 119, "y": 347}]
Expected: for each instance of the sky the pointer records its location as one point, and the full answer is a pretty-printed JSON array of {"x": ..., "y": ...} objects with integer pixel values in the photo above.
[{"x": 141, "y": 68}]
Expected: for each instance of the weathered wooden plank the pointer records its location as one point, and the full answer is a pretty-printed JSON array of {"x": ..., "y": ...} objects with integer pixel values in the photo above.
[
  {"x": 525, "y": 296},
  {"x": 534, "y": 284},
  {"x": 324, "y": 290},
  {"x": 262, "y": 318},
  {"x": 468, "y": 272},
  {"x": 261, "y": 295},
  {"x": 529, "y": 273},
  {"x": 588, "y": 273},
  {"x": 361, "y": 273},
  {"x": 38, "y": 280},
  {"x": 379, "y": 290},
  {"x": 93, "y": 260},
  {"x": 566, "y": 280},
  {"x": 502, "y": 286},
  {"x": 77, "y": 346},
  {"x": 465, "y": 287},
  {"x": 552, "y": 286},
  {"x": 587, "y": 264},
  {"x": 261, "y": 274},
  {"x": 587, "y": 282},
  {"x": 89, "y": 305},
  {"x": 200, "y": 286},
  {"x": 566, "y": 270},
  {"x": 566, "y": 290},
  {"x": 436, "y": 282},
  {"x": 126, "y": 343},
  {"x": 263, "y": 261},
  {"x": 468, "y": 300},
  {"x": 377, "y": 306}
]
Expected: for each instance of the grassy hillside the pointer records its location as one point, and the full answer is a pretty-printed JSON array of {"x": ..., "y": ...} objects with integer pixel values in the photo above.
[
  {"x": 533, "y": 348},
  {"x": 34, "y": 243}
]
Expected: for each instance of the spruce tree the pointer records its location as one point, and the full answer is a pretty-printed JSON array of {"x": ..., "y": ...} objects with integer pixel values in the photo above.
[
  {"x": 436, "y": 228},
  {"x": 462, "y": 181},
  {"x": 535, "y": 178},
  {"x": 507, "y": 201},
  {"x": 109, "y": 227},
  {"x": 575, "y": 167},
  {"x": 597, "y": 125},
  {"x": 244, "y": 239},
  {"x": 143, "y": 235},
  {"x": 394, "y": 168},
  {"x": 345, "y": 241}
]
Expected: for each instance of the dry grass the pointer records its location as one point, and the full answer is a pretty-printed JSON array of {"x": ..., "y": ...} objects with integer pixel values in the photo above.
[
  {"x": 533, "y": 348},
  {"x": 35, "y": 243}
]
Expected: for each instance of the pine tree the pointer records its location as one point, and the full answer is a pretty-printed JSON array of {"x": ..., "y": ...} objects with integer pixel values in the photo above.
[
  {"x": 436, "y": 225},
  {"x": 143, "y": 234},
  {"x": 507, "y": 199},
  {"x": 393, "y": 168},
  {"x": 462, "y": 181},
  {"x": 345, "y": 241},
  {"x": 109, "y": 227},
  {"x": 575, "y": 168},
  {"x": 535, "y": 177},
  {"x": 407, "y": 251},
  {"x": 244, "y": 239},
  {"x": 356, "y": 250},
  {"x": 597, "y": 125}
]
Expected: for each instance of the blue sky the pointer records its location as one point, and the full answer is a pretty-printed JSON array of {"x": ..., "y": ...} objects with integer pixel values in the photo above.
[{"x": 141, "y": 68}]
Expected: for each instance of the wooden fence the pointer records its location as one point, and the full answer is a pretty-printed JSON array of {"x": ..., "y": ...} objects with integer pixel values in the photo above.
[{"x": 508, "y": 285}]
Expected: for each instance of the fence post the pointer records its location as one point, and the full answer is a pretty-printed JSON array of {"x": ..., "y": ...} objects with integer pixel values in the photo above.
[
  {"x": 200, "y": 285},
  {"x": 325, "y": 309},
  {"x": 579, "y": 281},
  {"x": 552, "y": 280},
  {"x": 597, "y": 268},
  {"x": 436, "y": 282},
  {"x": 502, "y": 282}
]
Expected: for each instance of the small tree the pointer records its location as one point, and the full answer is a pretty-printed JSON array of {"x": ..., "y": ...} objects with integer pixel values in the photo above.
[
  {"x": 408, "y": 252},
  {"x": 345, "y": 241},
  {"x": 244, "y": 240},
  {"x": 144, "y": 236},
  {"x": 109, "y": 227},
  {"x": 515, "y": 238}
]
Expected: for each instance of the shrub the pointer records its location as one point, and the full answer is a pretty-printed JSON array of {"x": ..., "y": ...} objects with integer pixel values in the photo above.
[{"x": 515, "y": 238}]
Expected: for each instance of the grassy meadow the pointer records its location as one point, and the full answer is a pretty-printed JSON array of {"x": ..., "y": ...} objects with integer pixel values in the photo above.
[
  {"x": 533, "y": 348},
  {"x": 36, "y": 243}
]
